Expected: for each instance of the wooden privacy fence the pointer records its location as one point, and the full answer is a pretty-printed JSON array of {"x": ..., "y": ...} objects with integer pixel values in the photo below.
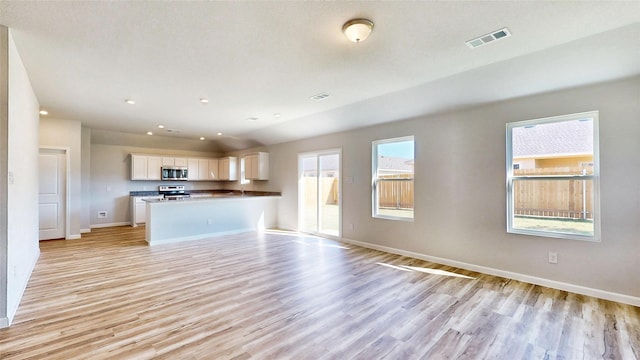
[
  {"x": 546, "y": 198},
  {"x": 571, "y": 198},
  {"x": 396, "y": 191}
]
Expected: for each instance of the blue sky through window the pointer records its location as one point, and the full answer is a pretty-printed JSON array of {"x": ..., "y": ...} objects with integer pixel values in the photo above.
[{"x": 400, "y": 149}]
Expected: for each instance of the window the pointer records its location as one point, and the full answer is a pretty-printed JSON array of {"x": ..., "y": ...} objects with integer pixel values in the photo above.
[
  {"x": 554, "y": 190},
  {"x": 393, "y": 163}
]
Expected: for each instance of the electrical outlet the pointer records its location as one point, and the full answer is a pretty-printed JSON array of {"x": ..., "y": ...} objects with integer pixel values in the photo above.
[
  {"x": 350, "y": 226},
  {"x": 209, "y": 221},
  {"x": 102, "y": 214},
  {"x": 553, "y": 257}
]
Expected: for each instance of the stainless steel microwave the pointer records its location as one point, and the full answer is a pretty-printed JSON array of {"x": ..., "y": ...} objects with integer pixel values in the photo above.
[{"x": 175, "y": 173}]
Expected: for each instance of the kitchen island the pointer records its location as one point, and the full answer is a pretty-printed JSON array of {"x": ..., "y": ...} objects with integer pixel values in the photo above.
[{"x": 203, "y": 217}]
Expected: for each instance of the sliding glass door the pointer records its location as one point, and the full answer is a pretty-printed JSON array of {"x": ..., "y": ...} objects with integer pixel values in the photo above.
[{"x": 319, "y": 197}]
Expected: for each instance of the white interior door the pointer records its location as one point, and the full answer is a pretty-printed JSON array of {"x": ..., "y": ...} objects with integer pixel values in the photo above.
[
  {"x": 53, "y": 171},
  {"x": 319, "y": 198}
]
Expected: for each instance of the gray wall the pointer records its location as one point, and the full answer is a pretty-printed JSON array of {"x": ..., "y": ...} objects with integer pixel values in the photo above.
[
  {"x": 85, "y": 170},
  {"x": 460, "y": 204},
  {"x": 19, "y": 185}
]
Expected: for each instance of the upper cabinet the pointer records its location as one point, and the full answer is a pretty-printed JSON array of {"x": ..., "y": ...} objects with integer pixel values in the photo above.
[
  {"x": 149, "y": 167},
  {"x": 228, "y": 168},
  {"x": 256, "y": 166},
  {"x": 145, "y": 167}
]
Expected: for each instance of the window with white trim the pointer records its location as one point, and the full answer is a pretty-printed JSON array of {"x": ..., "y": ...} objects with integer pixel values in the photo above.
[
  {"x": 392, "y": 180},
  {"x": 553, "y": 177}
]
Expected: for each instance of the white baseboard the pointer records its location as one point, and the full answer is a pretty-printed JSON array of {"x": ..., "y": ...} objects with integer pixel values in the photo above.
[
  {"x": 602, "y": 294},
  {"x": 73, "y": 237},
  {"x": 124, "y": 223},
  {"x": 84, "y": 231}
]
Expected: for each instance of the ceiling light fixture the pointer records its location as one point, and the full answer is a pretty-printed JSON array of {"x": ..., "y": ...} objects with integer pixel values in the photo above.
[
  {"x": 160, "y": 126},
  {"x": 44, "y": 112},
  {"x": 149, "y": 133},
  {"x": 357, "y": 30},
  {"x": 219, "y": 134},
  {"x": 204, "y": 101},
  {"x": 201, "y": 137},
  {"x": 129, "y": 101}
]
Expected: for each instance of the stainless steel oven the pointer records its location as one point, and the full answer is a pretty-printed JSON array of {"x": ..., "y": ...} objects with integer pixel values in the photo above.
[
  {"x": 173, "y": 192},
  {"x": 175, "y": 173}
]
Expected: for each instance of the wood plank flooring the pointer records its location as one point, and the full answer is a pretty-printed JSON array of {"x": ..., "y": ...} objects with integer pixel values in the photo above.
[{"x": 284, "y": 296}]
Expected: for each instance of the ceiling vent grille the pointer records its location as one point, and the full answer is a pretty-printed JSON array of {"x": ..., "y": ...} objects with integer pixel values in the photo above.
[
  {"x": 319, "y": 97},
  {"x": 491, "y": 37}
]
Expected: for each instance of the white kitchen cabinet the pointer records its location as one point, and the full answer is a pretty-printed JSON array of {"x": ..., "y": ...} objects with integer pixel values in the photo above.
[
  {"x": 203, "y": 169},
  {"x": 193, "y": 168},
  {"x": 168, "y": 161},
  {"x": 139, "y": 208},
  {"x": 154, "y": 167},
  {"x": 214, "y": 169},
  {"x": 144, "y": 167},
  {"x": 138, "y": 167},
  {"x": 228, "y": 168},
  {"x": 256, "y": 166},
  {"x": 180, "y": 161}
]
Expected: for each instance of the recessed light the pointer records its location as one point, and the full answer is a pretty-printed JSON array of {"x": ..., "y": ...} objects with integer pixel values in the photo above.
[
  {"x": 204, "y": 101},
  {"x": 201, "y": 137},
  {"x": 149, "y": 133},
  {"x": 253, "y": 119},
  {"x": 44, "y": 112},
  {"x": 276, "y": 115},
  {"x": 129, "y": 101},
  {"x": 160, "y": 126},
  {"x": 219, "y": 134}
]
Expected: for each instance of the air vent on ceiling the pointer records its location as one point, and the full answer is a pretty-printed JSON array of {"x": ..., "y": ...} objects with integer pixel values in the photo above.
[
  {"x": 173, "y": 131},
  {"x": 319, "y": 97},
  {"x": 485, "y": 39}
]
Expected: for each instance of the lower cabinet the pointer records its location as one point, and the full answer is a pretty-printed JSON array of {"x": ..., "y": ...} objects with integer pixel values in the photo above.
[{"x": 139, "y": 208}]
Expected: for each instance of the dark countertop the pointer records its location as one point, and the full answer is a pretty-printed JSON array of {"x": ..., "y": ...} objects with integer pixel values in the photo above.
[{"x": 235, "y": 192}]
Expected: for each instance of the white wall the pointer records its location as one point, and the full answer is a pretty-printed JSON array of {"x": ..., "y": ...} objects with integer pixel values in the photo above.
[
  {"x": 460, "y": 204},
  {"x": 85, "y": 170},
  {"x": 22, "y": 249},
  {"x": 111, "y": 170},
  {"x": 58, "y": 133}
]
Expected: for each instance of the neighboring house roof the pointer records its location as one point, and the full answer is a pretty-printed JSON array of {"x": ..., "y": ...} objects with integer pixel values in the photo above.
[
  {"x": 560, "y": 138},
  {"x": 395, "y": 163}
]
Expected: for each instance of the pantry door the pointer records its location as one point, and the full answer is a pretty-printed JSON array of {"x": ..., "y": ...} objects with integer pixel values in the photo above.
[
  {"x": 319, "y": 193},
  {"x": 52, "y": 181}
]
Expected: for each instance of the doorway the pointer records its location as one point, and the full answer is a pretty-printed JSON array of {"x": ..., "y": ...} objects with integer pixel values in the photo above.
[
  {"x": 319, "y": 193},
  {"x": 53, "y": 193}
]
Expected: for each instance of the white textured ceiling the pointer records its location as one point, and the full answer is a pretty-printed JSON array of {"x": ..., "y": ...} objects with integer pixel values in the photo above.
[{"x": 256, "y": 59}]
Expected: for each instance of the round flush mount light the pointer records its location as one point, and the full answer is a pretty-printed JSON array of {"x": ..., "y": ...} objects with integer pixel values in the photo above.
[
  {"x": 44, "y": 112},
  {"x": 201, "y": 137},
  {"x": 149, "y": 133},
  {"x": 160, "y": 126},
  {"x": 357, "y": 30},
  {"x": 219, "y": 134},
  {"x": 204, "y": 100},
  {"x": 129, "y": 101}
]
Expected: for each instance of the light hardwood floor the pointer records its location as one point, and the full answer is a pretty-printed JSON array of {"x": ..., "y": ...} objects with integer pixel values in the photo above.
[{"x": 284, "y": 296}]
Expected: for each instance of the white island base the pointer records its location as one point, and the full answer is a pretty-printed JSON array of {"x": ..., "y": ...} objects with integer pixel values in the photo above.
[{"x": 200, "y": 218}]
